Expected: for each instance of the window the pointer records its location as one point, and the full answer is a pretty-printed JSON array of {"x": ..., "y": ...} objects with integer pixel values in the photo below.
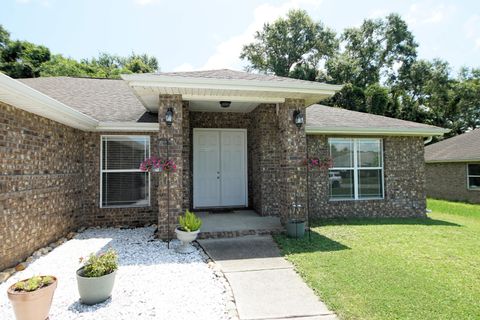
[
  {"x": 473, "y": 176},
  {"x": 357, "y": 171},
  {"x": 122, "y": 183}
]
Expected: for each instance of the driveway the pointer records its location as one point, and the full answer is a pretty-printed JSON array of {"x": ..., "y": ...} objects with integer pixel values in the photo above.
[{"x": 264, "y": 284}]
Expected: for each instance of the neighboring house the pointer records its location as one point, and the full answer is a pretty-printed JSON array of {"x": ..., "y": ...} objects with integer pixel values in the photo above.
[
  {"x": 453, "y": 168},
  {"x": 71, "y": 148}
]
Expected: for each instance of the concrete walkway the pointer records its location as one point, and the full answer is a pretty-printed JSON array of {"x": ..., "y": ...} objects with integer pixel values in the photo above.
[{"x": 264, "y": 284}]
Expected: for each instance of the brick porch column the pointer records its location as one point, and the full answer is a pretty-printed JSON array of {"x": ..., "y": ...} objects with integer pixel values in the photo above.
[
  {"x": 175, "y": 136},
  {"x": 294, "y": 151}
]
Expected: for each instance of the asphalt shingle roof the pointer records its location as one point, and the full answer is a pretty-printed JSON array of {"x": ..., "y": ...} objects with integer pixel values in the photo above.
[
  {"x": 227, "y": 74},
  {"x": 459, "y": 148},
  {"x": 320, "y": 116},
  {"x": 102, "y": 99}
]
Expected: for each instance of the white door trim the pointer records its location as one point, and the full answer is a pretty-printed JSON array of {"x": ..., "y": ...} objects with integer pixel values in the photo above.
[{"x": 245, "y": 154}]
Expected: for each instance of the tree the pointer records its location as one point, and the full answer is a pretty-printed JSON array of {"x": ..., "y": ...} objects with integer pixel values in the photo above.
[
  {"x": 465, "y": 101},
  {"x": 294, "y": 46},
  {"x": 105, "y": 66},
  {"x": 379, "y": 51},
  {"x": 58, "y": 65},
  {"x": 23, "y": 59},
  {"x": 377, "y": 99},
  {"x": 4, "y": 37}
]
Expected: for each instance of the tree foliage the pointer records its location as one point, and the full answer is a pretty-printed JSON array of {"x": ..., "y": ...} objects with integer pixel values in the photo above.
[
  {"x": 293, "y": 46},
  {"x": 23, "y": 59},
  {"x": 378, "y": 65}
]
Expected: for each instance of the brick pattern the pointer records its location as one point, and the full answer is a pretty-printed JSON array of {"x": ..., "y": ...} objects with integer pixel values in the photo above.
[
  {"x": 50, "y": 174},
  {"x": 170, "y": 186},
  {"x": 263, "y": 148},
  {"x": 40, "y": 197},
  {"x": 449, "y": 181},
  {"x": 404, "y": 174},
  {"x": 187, "y": 157},
  {"x": 264, "y": 154},
  {"x": 93, "y": 215},
  {"x": 293, "y": 188}
]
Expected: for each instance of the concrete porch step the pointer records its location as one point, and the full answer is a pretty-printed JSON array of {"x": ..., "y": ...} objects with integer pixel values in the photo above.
[
  {"x": 238, "y": 233},
  {"x": 237, "y": 223}
]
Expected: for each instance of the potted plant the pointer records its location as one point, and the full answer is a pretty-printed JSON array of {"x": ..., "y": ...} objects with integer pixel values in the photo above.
[
  {"x": 187, "y": 231},
  {"x": 31, "y": 298},
  {"x": 96, "y": 277}
]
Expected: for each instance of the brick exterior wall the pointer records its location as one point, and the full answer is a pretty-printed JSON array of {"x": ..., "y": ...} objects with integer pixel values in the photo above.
[
  {"x": 40, "y": 193},
  {"x": 404, "y": 174},
  {"x": 50, "y": 184},
  {"x": 449, "y": 181},
  {"x": 170, "y": 186},
  {"x": 263, "y": 148},
  {"x": 50, "y": 174},
  {"x": 265, "y": 154},
  {"x": 92, "y": 214},
  {"x": 293, "y": 175}
]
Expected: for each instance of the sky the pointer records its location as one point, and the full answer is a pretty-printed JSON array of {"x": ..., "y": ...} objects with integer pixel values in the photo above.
[{"x": 209, "y": 34}]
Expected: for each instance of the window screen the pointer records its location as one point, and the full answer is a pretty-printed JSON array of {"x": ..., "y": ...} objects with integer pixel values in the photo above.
[{"x": 122, "y": 182}]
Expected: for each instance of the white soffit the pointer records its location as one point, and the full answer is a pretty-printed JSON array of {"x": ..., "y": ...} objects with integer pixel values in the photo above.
[{"x": 147, "y": 87}]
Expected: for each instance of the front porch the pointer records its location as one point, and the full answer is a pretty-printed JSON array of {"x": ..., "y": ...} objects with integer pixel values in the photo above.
[
  {"x": 237, "y": 223},
  {"x": 236, "y": 143}
]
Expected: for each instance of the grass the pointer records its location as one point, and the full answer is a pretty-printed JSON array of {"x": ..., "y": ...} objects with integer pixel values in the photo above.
[{"x": 395, "y": 268}]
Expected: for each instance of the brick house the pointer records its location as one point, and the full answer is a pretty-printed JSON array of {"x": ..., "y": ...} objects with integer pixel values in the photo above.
[
  {"x": 453, "y": 168},
  {"x": 71, "y": 148}
]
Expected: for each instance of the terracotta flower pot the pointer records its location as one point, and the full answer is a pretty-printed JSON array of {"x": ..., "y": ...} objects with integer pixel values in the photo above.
[
  {"x": 33, "y": 305},
  {"x": 94, "y": 290}
]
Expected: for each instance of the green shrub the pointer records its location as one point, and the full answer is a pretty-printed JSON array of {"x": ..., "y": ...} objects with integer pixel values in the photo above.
[
  {"x": 189, "y": 222},
  {"x": 33, "y": 283},
  {"x": 101, "y": 264}
]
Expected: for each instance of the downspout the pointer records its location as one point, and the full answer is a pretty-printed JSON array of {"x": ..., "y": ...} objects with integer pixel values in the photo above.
[{"x": 428, "y": 140}]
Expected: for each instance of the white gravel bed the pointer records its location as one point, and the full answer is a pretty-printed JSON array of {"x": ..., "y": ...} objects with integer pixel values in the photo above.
[{"x": 152, "y": 282}]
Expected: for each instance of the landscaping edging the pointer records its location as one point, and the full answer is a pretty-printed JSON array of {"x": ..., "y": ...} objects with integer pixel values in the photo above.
[
  {"x": 7, "y": 273},
  {"x": 231, "y": 304}
]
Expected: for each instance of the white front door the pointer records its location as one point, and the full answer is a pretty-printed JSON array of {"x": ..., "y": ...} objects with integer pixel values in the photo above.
[{"x": 219, "y": 168}]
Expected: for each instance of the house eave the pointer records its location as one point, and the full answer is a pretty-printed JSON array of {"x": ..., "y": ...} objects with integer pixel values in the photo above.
[
  {"x": 106, "y": 126},
  {"x": 453, "y": 160},
  {"x": 374, "y": 131},
  {"x": 255, "y": 85},
  {"x": 21, "y": 96}
]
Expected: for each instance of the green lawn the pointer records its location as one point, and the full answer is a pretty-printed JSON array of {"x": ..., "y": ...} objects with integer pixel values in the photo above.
[{"x": 395, "y": 268}]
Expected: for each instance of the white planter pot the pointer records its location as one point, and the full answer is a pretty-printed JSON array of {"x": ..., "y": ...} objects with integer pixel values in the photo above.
[
  {"x": 186, "y": 237},
  {"x": 96, "y": 289}
]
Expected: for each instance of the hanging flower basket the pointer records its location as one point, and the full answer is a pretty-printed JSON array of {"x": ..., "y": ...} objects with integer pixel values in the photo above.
[
  {"x": 320, "y": 163},
  {"x": 154, "y": 164}
]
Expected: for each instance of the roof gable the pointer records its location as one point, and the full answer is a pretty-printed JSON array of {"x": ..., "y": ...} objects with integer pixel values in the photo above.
[
  {"x": 227, "y": 74},
  {"x": 464, "y": 147},
  {"x": 332, "y": 120}
]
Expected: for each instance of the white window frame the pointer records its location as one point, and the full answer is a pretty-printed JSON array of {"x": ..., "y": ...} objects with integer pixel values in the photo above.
[
  {"x": 471, "y": 176},
  {"x": 356, "y": 169},
  {"x": 147, "y": 154}
]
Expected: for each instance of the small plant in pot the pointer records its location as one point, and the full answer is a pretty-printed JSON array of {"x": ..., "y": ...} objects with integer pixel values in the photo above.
[
  {"x": 32, "y": 298},
  {"x": 187, "y": 231},
  {"x": 95, "y": 279}
]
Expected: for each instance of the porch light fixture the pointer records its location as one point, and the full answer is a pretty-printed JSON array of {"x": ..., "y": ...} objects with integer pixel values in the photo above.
[
  {"x": 169, "y": 117},
  {"x": 298, "y": 118},
  {"x": 225, "y": 104}
]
